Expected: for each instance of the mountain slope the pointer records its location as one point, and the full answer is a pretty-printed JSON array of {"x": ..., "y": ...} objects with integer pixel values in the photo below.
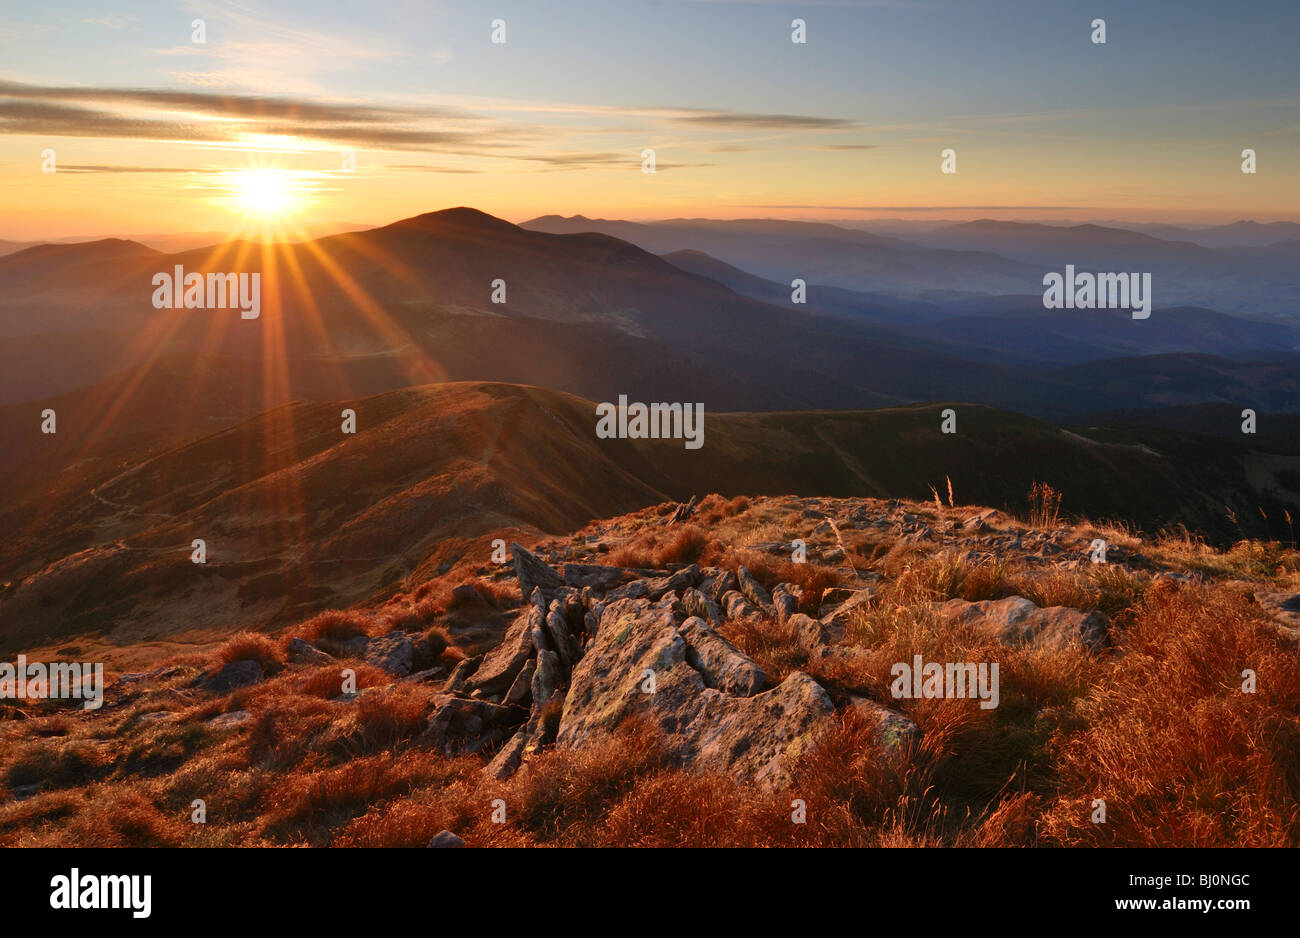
[{"x": 296, "y": 515}]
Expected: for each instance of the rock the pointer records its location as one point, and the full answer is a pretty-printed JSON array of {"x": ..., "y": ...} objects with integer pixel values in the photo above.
[
  {"x": 23, "y": 792},
  {"x": 593, "y": 575},
  {"x": 758, "y": 738},
  {"x": 299, "y": 651},
  {"x": 510, "y": 756},
  {"x": 557, "y": 630},
  {"x": 752, "y": 589},
  {"x": 446, "y": 839},
  {"x": 231, "y": 677},
  {"x": 634, "y": 590},
  {"x": 716, "y": 582},
  {"x": 697, "y": 604},
  {"x": 682, "y": 512},
  {"x": 502, "y": 664},
  {"x": 458, "y": 726},
  {"x": 678, "y": 582},
  {"x": 1017, "y": 621},
  {"x": 839, "y": 618},
  {"x": 393, "y": 653},
  {"x": 979, "y": 522},
  {"x": 458, "y": 680},
  {"x": 739, "y": 608},
  {"x": 722, "y": 665},
  {"x": 468, "y": 593},
  {"x": 546, "y": 677},
  {"x": 156, "y": 716},
  {"x": 233, "y": 718},
  {"x": 811, "y": 634},
  {"x": 897, "y": 732},
  {"x": 785, "y": 599},
  {"x": 1283, "y": 607},
  {"x": 533, "y": 573},
  {"x": 521, "y": 691}
]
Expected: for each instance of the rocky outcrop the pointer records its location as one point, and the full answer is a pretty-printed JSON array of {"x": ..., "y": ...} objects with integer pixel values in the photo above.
[
  {"x": 533, "y": 573},
  {"x": 645, "y": 661}
]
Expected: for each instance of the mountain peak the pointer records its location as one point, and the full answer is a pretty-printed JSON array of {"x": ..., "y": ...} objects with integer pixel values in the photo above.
[{"x": 461, "y": 217}]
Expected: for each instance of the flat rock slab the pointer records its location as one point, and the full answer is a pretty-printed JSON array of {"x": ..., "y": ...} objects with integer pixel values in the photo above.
[
  {"x": 1017, "y": 621},
  {"x": 1283, "y": 607},
  {"x": 754, "y": 738}
]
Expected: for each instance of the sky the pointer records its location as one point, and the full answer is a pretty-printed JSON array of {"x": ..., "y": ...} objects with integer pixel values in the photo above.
[{"x": 306, "y": 114}]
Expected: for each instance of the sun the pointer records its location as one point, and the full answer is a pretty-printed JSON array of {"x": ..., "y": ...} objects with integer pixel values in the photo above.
[{"x": 265, "y": 194}]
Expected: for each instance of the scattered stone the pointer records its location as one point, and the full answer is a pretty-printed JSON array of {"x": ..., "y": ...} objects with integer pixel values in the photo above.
[
  {"x": 460, "y": 675},
  {"x": 521, "y": 691},
  {"x": 1017, "y": 621},
  {"x": 785, "y": 599},
  {"x": 594, "y": 576},
  {"x": 752, "y": 589},
  {"x": 233, "y": 718},
  {"x": 1283, "y": 607},
  {"x": 842, "y": 615},
  {"x": 446, "y": 839},
  {"x": 458, "y": 726},
  {"x": 468, "y": 593},
  {"x": 393, "y": 653},
  {"x": 897, "y": 732},
  {"x": 697, "y": 604},
  {"x": 233, "y": 676},
  {"x": 740, "y": 609},
  {"x": 300, "y": 651},
  {"x": 502, "y": 664},
  {"x": 716, "y": 582}
]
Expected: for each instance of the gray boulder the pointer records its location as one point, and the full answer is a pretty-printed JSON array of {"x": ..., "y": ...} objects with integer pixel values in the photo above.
[
  {"x": 393, "y": 653},
  {"x": 1017, "y": 621}
]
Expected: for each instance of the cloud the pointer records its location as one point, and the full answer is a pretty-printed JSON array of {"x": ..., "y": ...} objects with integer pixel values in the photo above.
[
  {"x": 83, "y": 168},
  {"x": 222, "y": 119},
  {"x": 932, "y": 208},
  {"x": 735, "y": 120}
]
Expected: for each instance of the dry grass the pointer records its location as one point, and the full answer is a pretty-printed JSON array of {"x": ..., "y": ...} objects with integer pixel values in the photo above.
[
  {"x": 253, "y": 646},
  {"x": 1180, "y": 754},
  {"x": 335, "y": 625}
]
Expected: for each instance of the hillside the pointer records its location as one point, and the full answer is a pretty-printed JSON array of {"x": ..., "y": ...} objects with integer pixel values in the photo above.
[{"x": 297, "y": 516}]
